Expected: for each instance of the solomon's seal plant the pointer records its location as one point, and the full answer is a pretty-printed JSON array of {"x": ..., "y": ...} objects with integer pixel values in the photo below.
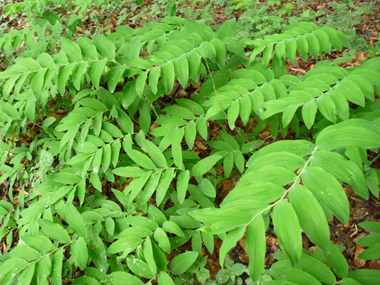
[{"x": 106, "y": 197}]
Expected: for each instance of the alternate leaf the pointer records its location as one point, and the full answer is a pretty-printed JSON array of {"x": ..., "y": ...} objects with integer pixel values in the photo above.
[
  {"x": 182, "y": 262},
  {"x": 310, "y": 215},
  {"x": 288, "y": 230},
  {"x": 328, "y": 191},
  {"x": 75, "y": 220},
  {"x": 255, "y": 247},
  {"x": 54, "y": 231}
]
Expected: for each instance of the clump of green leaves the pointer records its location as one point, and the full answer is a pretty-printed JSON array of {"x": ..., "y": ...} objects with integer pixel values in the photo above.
[{"x": 106, "y": 195}]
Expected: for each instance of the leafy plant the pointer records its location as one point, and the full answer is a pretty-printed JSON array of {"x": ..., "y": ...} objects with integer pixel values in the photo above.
[{"x": 107, "y": 195}]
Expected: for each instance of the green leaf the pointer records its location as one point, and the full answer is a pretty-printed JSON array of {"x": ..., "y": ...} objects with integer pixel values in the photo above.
[
  {"x": 85, "y": 280},
  {"x": 48, "y": 122},
  {"x": 349, "y": 281},
  {"x": 27, "y": 274},
  {"x": 97, "y": 253},
  {"x": 206, "y": 187},
  {"x": 171, "y": 227},
  {"x": 106, "y": 158},
  {"x": 267, "y": 54},
  {"x": 313, "y": 44},
  {"x": 233, "y": 113},
  {"x": 95, "y": 71},
  {"x": 151, "y": 186},
  {"x": 105, "y": 46},
  {"x": 228, "y": 163},
  {"x": 138, "y": 62},
  {"x": 220, "y": 52},
  {"x": 145, "y": 117},
  {"x": 24, "y": 252},
  {"x": 317, "y": 269},
  {"x": 245, "y": 109},
  {"x": 255, "y": 247},
  {"x": 342, "y": 169},
  {"x": 182, "y": 184},
  {"x": 201, "y": 123},
  {"x": 56, "y": 271},
  {"x": 75, "y": 220},
  {"x": 124, "y": 121},
  {"x": 328, "y": 191},
  {"x": 78, "y": 74},
  {"x": 93, "y": 104},
  {"x": 343, "y": 136},
  {"x": 167, "y": 76},
  {"x": 210, "y": 216},
  {"x": 265, "y": 192},
  {"x": 227, "y": 29},
  {"x": 310, "y": 215},
  {"x": 178, "y": 134},
  {"x": 163, "y": 185},
  {"x": 194, "y": 65},
  {"x": 162, "y": 239},
  {"x": 139, "y": 267},
  {"x": 372, "y": 252},
  {"x": 190, "y": 134},
  {"x": 309, "y": 110},
  {"x": 199, "y": 28},
  {"x": 324, "y": 40},
  {"x": 365, "y": 276},
  {"x": 155, "y": 153},
  {"x": 135, "y": 187},
  {"x": 302, "y": 47},
  {"x": 37, "y": 82},
  {"x": 182, "y": 262},
  {"x": 63, "y": 77},
  {"x": 38, "y": 242},
  {"x": 204, "y": 165},
  {"x": 154, "y": 75},
  {"x": 181, "y": 66},
  {"x": 280, "y": 50},
  {"x": 128, "y": 171},
  {"x": 143, "y": 221},
  {"x": 9, "y": 110},
  {"x": 12, "y": 265},
  {"x": 179, "y": 111},
  {"x": 295, "y": 276},
  {"x": 43, "y": 269},
  {"x": 371, "y": 226},
  {"x": 87, "y": 47},
  {"x": 369, "y": 240},
  {"x": 54, "y": 231},
  {"x": 327, "y": 107},
  {"x": 291, "y": 48},
  {"x": 112, "y": 129},
  {"x": 79, "y": 252},
  {"x": 148, "y": 255},
  {"x": 288, "y": 230},
  {"x": 114, "y": 75},
  {"x": 116, "y": 146},
  {"x": 230, "y": 241},
  {"x": 126, "y": 244},
  {"x": 71, "y": 49},
  {"x": 165, "y": 279},
  {"x": 120, "y": 278},
  {"x": 141, "y": 159},
  {"x": 336, "y": 260},
  {"x": 140, "y": 83}
]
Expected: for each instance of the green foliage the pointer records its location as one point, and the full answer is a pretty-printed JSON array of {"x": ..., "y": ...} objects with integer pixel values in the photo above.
[{"x": 163, "y": 194}]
